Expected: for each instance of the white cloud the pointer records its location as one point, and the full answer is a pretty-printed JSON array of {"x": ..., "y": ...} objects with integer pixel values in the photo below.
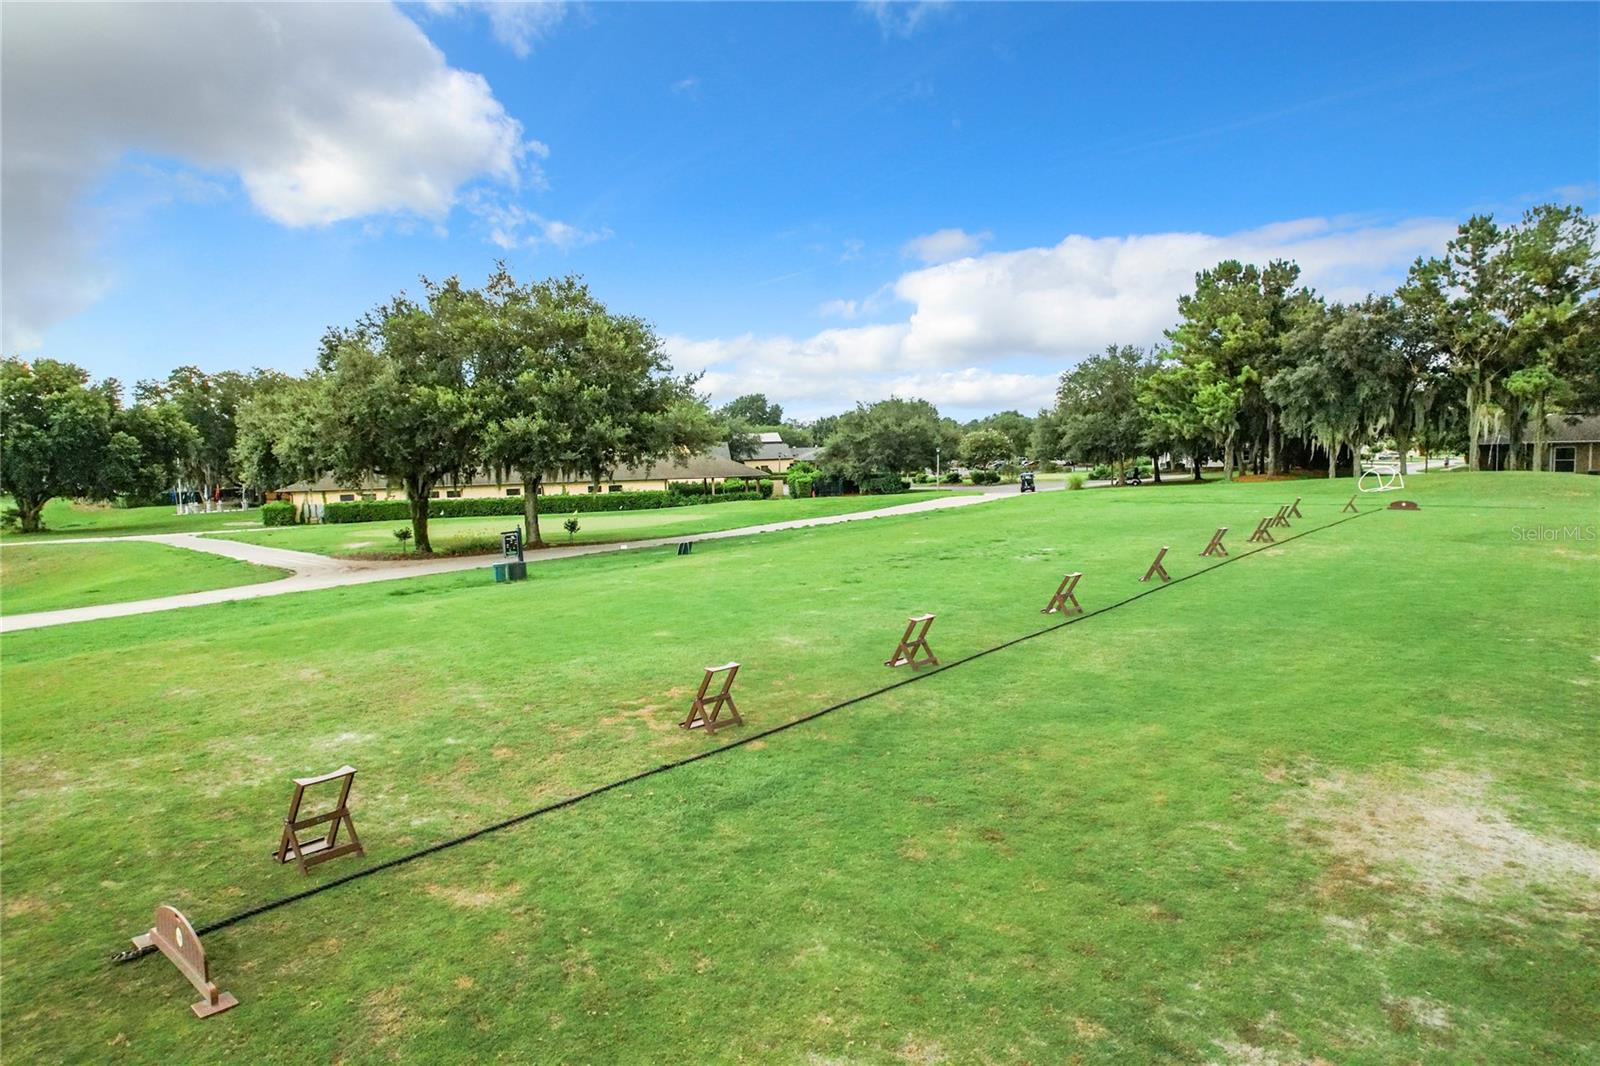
[
  {"x": 510, "y": 226},
  {"x": 515, "y": 25},
  {"x": 324, "y": 112},
  {"x": 993, "y": 330},
  {"x": 686, "y": 85},
  {"x": 943, "y": 245},
  {"x": 901, "y": 18},
  {"x": 852, "y": 249}
]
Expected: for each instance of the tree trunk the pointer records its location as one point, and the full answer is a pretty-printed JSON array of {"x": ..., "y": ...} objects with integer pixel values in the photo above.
[
  {"x": 417, "y": 490},
  {"x": 1195, "y": 459},
  {"x": 1227, "y": 454},
  {"x": 29, "y": 512},
  {"x": 1155, "y": 468},
  {"x": 530, "y": 512},
  {"x": 1538, "y": 433},
  {"x": 1473, "y": 460},
  {"x": 1272, "y": 441}
]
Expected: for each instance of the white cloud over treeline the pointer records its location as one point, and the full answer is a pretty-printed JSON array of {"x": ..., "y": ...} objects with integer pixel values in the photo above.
[{"x": 993, "y": 330}]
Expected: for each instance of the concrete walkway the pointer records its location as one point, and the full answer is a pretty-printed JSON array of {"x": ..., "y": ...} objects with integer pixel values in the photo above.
[{"x": 311, "y": 572}]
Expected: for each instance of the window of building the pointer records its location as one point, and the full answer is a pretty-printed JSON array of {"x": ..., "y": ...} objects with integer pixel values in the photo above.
[
  {"x": 347, "y": 497},
  {"x": 594, "y": 488},
  {"x": 513, "y": 492},
  {"x": 452, "y": 494},
  {"x": 614, "y": 488},
  {"x": 1564, "y": 459},
  {"x": 434, "y": 495}
]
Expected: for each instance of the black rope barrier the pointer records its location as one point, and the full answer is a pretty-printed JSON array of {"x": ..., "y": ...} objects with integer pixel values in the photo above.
[{"x": 622, "y": 782}]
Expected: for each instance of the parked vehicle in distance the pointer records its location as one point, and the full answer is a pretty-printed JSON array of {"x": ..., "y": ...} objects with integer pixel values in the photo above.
[{"x": 1025, "y": 482}]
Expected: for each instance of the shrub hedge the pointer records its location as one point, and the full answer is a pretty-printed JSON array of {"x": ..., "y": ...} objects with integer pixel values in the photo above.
[
  {"x": 277, "y": 513},
  {"x": 586, "y": 503}
]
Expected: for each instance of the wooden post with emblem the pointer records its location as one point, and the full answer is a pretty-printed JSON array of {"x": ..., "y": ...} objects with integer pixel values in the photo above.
[
  {"x": 713, "y": 712},
  {"x": 1156, "y": 567},
  {"x": 309, "y": 853},
  {"x": 1064, "y": 601},
  {"x": 1216, "y": 546},
  {"x": 912, "y": 642},
  {"x": 175, "y": 938},
  {"x": 1263, "y": 533}
]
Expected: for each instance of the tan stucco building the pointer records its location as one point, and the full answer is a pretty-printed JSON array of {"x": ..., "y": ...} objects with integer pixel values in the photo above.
[{"x": 712, "y": 467}]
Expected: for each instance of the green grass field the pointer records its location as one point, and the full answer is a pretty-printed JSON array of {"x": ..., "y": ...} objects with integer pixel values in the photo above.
[
  {"x": 46, "y": 577},
  {"x": 1331, "y": 801},
  {"x": 70, "y": 518},
  {"x": 467, "y": 535}
]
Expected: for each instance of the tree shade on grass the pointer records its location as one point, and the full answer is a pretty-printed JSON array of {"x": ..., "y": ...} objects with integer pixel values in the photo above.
[
  {"x": 48, "y": 577},
  {"x": 468, "y": 535},
  {"x": 1174, "y": 831}
]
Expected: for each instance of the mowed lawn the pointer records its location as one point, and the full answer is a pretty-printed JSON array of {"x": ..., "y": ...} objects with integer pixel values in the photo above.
[
  {"x": 47, "y": 577},
  {"x": 72, "y": 518},
  {"x": 466, "y": 535},
  {"x": 1334, "y": 800}
]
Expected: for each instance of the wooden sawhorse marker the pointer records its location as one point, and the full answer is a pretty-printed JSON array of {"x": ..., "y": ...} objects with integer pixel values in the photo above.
[
  {"x": 1280, "y": 519},
  {"x": 1263, "y": 533},
  {"x": 176, "y": 939},
  {"x": 1157, "y": 568},
  {"x": 906, "y": 653},
  {"x": 1351, "y": 506},
  {"x": 1294, "y": 508},
  {"x": 711, "y": 713},
  {"x": 309, "y": 853},
  {"x": 1064, "y": 601},
  {"x": 1216, "y": 546}
]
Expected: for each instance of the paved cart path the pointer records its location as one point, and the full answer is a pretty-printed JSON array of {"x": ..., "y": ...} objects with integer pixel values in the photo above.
[{"x": 311, "y": 571}]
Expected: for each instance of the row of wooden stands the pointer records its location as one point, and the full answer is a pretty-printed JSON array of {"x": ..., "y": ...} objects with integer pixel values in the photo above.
[{"x": 711, "y": 709}]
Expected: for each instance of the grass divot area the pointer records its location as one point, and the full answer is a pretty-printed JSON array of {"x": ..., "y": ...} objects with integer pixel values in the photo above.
[
  {"x": 48, "y": 577},
  {"x": 1222, "y": 822}
]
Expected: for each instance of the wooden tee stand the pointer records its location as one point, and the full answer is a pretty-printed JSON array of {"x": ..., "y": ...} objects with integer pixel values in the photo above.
[
  {"x": 1351, "y": 506},
  {"x": 309, "y": 853},
  {"x": 1294, "y": 508},
  {"x": 1216, "y": 547},
  {"x": 175, "y": 938},
  {"x": 1280, "y": 519},
  {"x": 713, "y": 712},
  {"x": 906, "y": 653},
  {"x": 1064, "y": 601},
  {"x": 1156, "y": 568},
  {"x": 1263, "y": 533}
]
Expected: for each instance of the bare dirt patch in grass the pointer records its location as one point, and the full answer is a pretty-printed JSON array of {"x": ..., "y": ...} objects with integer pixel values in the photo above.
[
  {"x": 1443, "y": 832},
  {"x": 473, "y": 898}
]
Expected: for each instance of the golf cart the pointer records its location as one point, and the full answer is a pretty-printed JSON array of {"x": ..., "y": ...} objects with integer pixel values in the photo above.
[{"x": 1025, "y": 482}]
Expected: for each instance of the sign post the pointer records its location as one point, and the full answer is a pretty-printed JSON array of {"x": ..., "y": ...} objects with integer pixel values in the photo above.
[{"x": 515, "y": 568}]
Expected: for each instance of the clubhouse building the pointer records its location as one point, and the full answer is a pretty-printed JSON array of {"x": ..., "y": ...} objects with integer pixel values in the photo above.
[{"x": 710, "y": 468}]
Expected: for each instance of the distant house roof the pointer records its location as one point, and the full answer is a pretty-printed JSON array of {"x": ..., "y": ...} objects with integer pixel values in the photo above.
[
  {"x": 772, "y": 438},
  {"x": 773, "y": 446},
  {"x": 711, "y": 463},
  {"x": 1561, "y": 429}
]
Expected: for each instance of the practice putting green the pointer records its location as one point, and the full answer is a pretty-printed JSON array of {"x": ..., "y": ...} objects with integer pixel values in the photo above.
[{"x": 1331, "y": 800}]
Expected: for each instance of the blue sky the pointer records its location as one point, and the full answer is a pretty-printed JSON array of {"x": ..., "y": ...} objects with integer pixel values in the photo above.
[{"x": 826, "y": 202}]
